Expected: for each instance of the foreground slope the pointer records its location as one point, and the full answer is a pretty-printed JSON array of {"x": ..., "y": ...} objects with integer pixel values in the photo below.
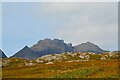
[{"x": 65, "y": 65}]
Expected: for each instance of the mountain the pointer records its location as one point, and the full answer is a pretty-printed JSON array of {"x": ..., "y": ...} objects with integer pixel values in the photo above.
[
  {"x": 55, "y": 46},
  {"x": 2, "y": 55},
  {"x": 88, "y": 47},
  {"x": 52, "y": 46},
  {"x": 44, "y": 47},
  {"x": 26, "y": 53}
]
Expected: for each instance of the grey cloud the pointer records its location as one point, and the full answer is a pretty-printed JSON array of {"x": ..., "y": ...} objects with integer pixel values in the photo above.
[
  {"x": 80, "y": 22},
  {"x": 99, "y": 26}
]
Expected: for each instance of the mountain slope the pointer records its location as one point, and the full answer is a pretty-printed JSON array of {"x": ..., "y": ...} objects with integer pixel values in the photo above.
[
  {"x": 52, "y": 46},
  {"x": 2, "y": 55},
  {"x": 55, "y": 46},
  {"x": 26, "y": 53},
  {"x": 88, "y": 47}
]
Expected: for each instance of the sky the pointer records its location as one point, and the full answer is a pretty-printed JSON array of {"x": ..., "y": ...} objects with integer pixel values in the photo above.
[
  {"x": 0, "y": 25},
  {"x": 60, "y": 0},
  {"x": 25, "y": 23}
]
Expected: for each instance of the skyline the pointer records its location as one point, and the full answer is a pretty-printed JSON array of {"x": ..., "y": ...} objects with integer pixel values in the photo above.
[{"x": 26, "y": 23}]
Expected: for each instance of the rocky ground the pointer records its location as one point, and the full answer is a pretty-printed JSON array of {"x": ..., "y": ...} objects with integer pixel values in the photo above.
[{"x": 65, "y": 65}]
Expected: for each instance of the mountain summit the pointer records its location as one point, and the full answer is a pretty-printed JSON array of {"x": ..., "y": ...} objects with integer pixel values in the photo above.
[
  {"x": 26, "y": 53},
  {"x": 88, "y": 47},
  {"x": 52, "y": 46},
  {"x": 55, "y": 46},
  {"x": 2, "y": 55}
]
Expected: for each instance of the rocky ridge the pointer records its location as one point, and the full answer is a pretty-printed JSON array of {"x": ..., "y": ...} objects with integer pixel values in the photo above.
[{"x": 55, "y": 46}]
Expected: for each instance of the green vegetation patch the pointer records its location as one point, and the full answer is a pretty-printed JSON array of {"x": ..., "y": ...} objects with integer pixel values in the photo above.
[{"x": 79, "y": 73}]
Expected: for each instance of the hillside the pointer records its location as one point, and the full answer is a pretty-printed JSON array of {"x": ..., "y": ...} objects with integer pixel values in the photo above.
[{"x": 65, "y": 65}]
